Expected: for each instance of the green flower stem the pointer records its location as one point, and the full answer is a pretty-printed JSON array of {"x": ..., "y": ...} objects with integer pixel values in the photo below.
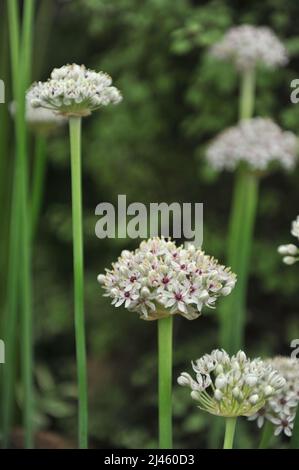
[
  {"x": 38, "y": 181},
  {"x": 75, "y": 141},
  {"x": 239, "y": 248},
  {"x": 241, "y": 226},
  {"x": 295, "y": 434},
  {"x": 266, "y": 435},
  {"x": 25, "y": 265},
  {"x": 5, "y": 161},
  {"x": 230, "y": 426},
  {"x": 247, "y": 93},
  {"x": 20, "y": 250},
  {"x": 10, "y": 317},
  {"x": 165, "y": 382}
]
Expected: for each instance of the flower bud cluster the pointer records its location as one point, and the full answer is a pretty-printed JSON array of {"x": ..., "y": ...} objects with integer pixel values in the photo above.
[
  {"x": 74, "y": 90},
  {"x": 232, "y": 386}
]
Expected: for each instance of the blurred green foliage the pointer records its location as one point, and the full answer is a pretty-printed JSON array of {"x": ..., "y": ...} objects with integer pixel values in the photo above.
[{"x": 151, "y": 148}]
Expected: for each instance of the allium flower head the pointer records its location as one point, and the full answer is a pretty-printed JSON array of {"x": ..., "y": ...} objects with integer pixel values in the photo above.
[
  {"x": 40, "y": 120},
  {"x": 280, "y": 409},
  {"x": 74, "y": 90},
  {"x": 257, "y": 142},
  {"x": 231, "y": 386},
  {"x": 247, "y": 46},
  {"x": 160, "y": 279},
  {"x": 291, "y": 251}
]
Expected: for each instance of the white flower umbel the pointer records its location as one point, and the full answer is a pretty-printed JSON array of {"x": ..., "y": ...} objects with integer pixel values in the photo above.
[
  {"x": 257, "y": 142},
  {"x": 159, "y": 279},
  {"x": 290, "y": 252},
  {"x": 232, "y": 386},
  {"x": 281, "y": 408},
  {"x": 248, "y": 46},
  {"x": 74, "y": 90}
]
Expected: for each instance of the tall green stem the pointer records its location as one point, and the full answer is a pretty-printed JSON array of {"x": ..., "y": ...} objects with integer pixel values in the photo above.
[
  {"x": 75, "y": 141},
  {"x": 239, "y": 248},
  {"x": 10, "y": 318},
  {"x": 13, "y": 260},
  {"x": 38, "y": 180},
  {"x": 5, "y": 161},
  {"x": 20, "y": 250},
  {"x": 266, "y": 435},
  {"x": 25, "y": 268},
  {"x": 165, "y": 382},
  {"x": 247, "y": 92},
  {"x": 230, "y": 426},
  {"x": 295, "y": 435},
  {"x": 242, "y": 218}
]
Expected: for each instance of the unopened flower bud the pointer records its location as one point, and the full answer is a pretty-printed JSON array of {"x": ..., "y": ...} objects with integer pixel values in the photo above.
[
  {"x": 226, "y": 291},
  {"x": 195, "y": 394},
  {"x": 289, "y": 260},
  {"x": 145, "y": 292},
  {"x": 254, "y": 399},
  {"x": 282, "y": 250},
  {"x": 268, "y": 390},
  {"x": 184, "y": 379},
  {"x": 220, "y": 381},
  {"x": 218, "y": 394},
  {"x": 101, "y": 278},
  {"x": 125, "y": 253},
  {"x": 289, "y": 249},
  {"x": 251, "y": 380}
]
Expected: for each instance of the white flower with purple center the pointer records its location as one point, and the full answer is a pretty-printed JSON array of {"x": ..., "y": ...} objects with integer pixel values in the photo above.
[
  {"x": 283, "y": 424},
  {"x": 160, "y": 279},
  {"x": 280, "y": 409}
]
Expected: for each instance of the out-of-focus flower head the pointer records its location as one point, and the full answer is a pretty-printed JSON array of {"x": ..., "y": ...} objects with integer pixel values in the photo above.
[
  {"x": 290, "y": 252},
  {"x": 160, "y": 279},
  {"x": 74, "y": 90},
  {"x": 231, "y": 386},
  {"x": 247, "y": 46},
  {"x": 40, "y": 120},
  {"x": 257, "y": 142},
  {"x": 281, "y": 408}
]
